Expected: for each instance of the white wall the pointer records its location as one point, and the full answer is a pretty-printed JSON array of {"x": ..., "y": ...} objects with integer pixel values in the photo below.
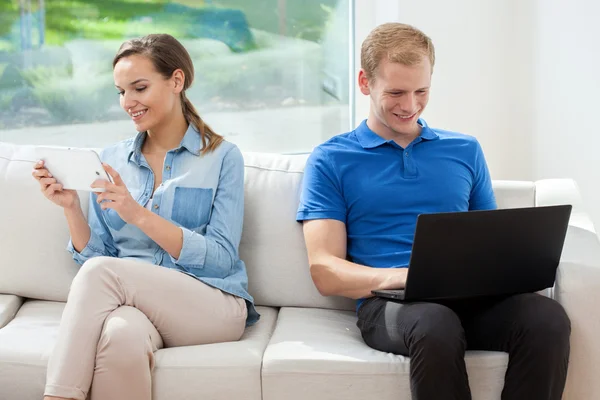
[
  {"x": 484, "y": 59},
  {"x": 567, "y": 89}
]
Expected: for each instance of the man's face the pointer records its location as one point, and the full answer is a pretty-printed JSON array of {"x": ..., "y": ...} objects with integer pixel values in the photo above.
[{"x": 399, "y": 94}]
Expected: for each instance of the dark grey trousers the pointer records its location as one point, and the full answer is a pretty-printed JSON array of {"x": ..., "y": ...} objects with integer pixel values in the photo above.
[{"x": 534, "y": 330}]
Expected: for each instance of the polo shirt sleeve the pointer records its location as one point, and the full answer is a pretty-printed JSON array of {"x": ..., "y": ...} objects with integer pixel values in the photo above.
[
  {"x": 321, "y": 196},
  {"x": 482, "y": 195}
]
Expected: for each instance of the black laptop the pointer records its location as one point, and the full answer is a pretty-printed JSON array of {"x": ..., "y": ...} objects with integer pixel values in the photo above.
[{"x": 461, "y": 255}]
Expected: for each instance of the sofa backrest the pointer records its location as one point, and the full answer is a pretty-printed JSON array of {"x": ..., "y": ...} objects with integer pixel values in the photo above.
[
  {"x": 33, "y": 232},
  {"x": 272, "y": 243}
]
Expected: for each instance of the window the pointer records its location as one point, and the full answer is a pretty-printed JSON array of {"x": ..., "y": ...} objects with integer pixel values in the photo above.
[{"x": 271, "y": 75}]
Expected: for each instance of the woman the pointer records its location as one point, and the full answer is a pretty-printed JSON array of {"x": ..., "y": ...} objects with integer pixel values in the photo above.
[{"x": 160, "y": 246}]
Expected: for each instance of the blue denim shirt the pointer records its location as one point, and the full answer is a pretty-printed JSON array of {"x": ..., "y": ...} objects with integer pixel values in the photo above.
[{"x": 201, "y": 194}]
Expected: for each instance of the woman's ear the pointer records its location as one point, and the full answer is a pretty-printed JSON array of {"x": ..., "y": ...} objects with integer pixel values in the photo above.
[{"x": 178, "y": 79}]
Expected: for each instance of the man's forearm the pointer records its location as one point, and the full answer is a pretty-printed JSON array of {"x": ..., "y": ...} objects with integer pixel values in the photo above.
[{"x": 335, "y": 276}]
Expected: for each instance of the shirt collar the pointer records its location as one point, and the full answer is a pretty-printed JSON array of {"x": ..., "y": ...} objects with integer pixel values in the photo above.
[
  {"x": 369, "y": 139},
  {"x": 191, "y": 142}
]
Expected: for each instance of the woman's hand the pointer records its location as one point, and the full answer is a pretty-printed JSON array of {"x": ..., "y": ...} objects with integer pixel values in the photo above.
[
  {"x": 67, "y": 199},
  {"x": 117, "y": 197}
]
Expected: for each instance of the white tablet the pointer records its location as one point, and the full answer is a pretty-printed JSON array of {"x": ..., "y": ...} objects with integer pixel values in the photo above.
[{"x": 74, "y": 168}]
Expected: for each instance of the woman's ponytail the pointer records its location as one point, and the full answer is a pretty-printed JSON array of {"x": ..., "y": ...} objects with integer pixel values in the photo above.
[{"x": 210, "y": 139}]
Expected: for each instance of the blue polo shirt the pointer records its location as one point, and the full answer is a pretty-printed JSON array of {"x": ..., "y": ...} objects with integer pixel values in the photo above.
[{"x": 378, "y": 188}]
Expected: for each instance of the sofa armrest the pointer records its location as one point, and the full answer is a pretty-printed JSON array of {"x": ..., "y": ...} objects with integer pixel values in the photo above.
[
  {"x": 578, "y": 290},
  {"x": 549, "y": 192},
  {"x": 9, "y": 305}
]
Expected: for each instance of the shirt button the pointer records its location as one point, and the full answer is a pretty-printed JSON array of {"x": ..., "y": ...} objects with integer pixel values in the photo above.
[
  {"x": 406, "y": 154},
  {"x": 168, "y": 167},
  {"x": 156, "y": 206}
]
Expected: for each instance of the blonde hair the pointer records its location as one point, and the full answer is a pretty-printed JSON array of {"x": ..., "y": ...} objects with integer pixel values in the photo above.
[
  {"x": 396, "y": 42},
  {"x": 167, "y": 54}
]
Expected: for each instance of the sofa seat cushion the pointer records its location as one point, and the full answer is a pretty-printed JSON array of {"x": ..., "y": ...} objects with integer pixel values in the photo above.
[
  {"x": 25, "y": 345},
  {"x": 317, "y": 353},
  {"x": 9, "y": 305},
  {"x": 217, "y": 371},
  {"x": 181, "y": 373}
]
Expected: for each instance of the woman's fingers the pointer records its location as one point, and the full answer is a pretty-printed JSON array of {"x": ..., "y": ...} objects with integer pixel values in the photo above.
[
  {"x": 47, "y": 181},
  {"x": 40, "y": 166},
  {"x": 114, "y": 175},
  {"x": 41, "y": 173},
  {"x": 109, "y": 196},
  {"x": 107, "y": 186},
  {"x": 51, "y": 189}
]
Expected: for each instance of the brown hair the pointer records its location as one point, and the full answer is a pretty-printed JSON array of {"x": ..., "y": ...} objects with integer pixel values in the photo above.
[
  {"x": 167, "y": 54},
  {"x": 396, "y": 42}
]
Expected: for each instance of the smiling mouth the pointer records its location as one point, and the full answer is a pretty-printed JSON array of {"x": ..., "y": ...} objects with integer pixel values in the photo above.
[
  {"x": 405, "y": 117},
  {"x": 135, "y": 115}
]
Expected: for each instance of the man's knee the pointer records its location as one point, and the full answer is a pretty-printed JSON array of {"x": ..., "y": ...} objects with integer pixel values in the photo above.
[
  {"x": 545, "y": 321},
  {"x": 124, "y": 342},
  {"x": 438, "y": 330}
]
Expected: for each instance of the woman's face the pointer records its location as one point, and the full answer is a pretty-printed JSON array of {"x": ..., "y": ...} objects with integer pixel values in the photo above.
[{"x": 147, "y": 97}]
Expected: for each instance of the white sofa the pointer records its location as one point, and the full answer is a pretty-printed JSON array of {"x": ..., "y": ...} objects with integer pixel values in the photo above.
[{"x": 305, "y": 346}]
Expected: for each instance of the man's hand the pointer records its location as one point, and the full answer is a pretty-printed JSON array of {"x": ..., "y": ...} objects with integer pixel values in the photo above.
[
  {"x": 117, "y": 197},
  {"x": 395, "y": 279}
]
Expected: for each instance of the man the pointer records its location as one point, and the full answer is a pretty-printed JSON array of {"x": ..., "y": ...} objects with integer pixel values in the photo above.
[{"x": 361, "y": 195}]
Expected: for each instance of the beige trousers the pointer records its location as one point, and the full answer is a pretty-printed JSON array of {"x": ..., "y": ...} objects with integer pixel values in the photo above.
[{"x": 119, "y": 312}]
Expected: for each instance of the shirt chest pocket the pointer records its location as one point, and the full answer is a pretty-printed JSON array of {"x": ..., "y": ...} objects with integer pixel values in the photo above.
[{"x": 192, "y": 206}]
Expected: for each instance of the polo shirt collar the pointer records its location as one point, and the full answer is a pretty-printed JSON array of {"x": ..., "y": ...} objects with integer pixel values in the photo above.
[
  {"x": 427, "y": 133},
  {"x": 191, "y": 142},
  {"x": 369, "y": 139}
]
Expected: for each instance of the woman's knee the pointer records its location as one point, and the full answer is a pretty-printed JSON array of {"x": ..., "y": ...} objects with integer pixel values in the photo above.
[
  {"x": 93, "y": 270},
  {"x": 125, "y": 341},
  {"x": 96, "y": 265}
]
